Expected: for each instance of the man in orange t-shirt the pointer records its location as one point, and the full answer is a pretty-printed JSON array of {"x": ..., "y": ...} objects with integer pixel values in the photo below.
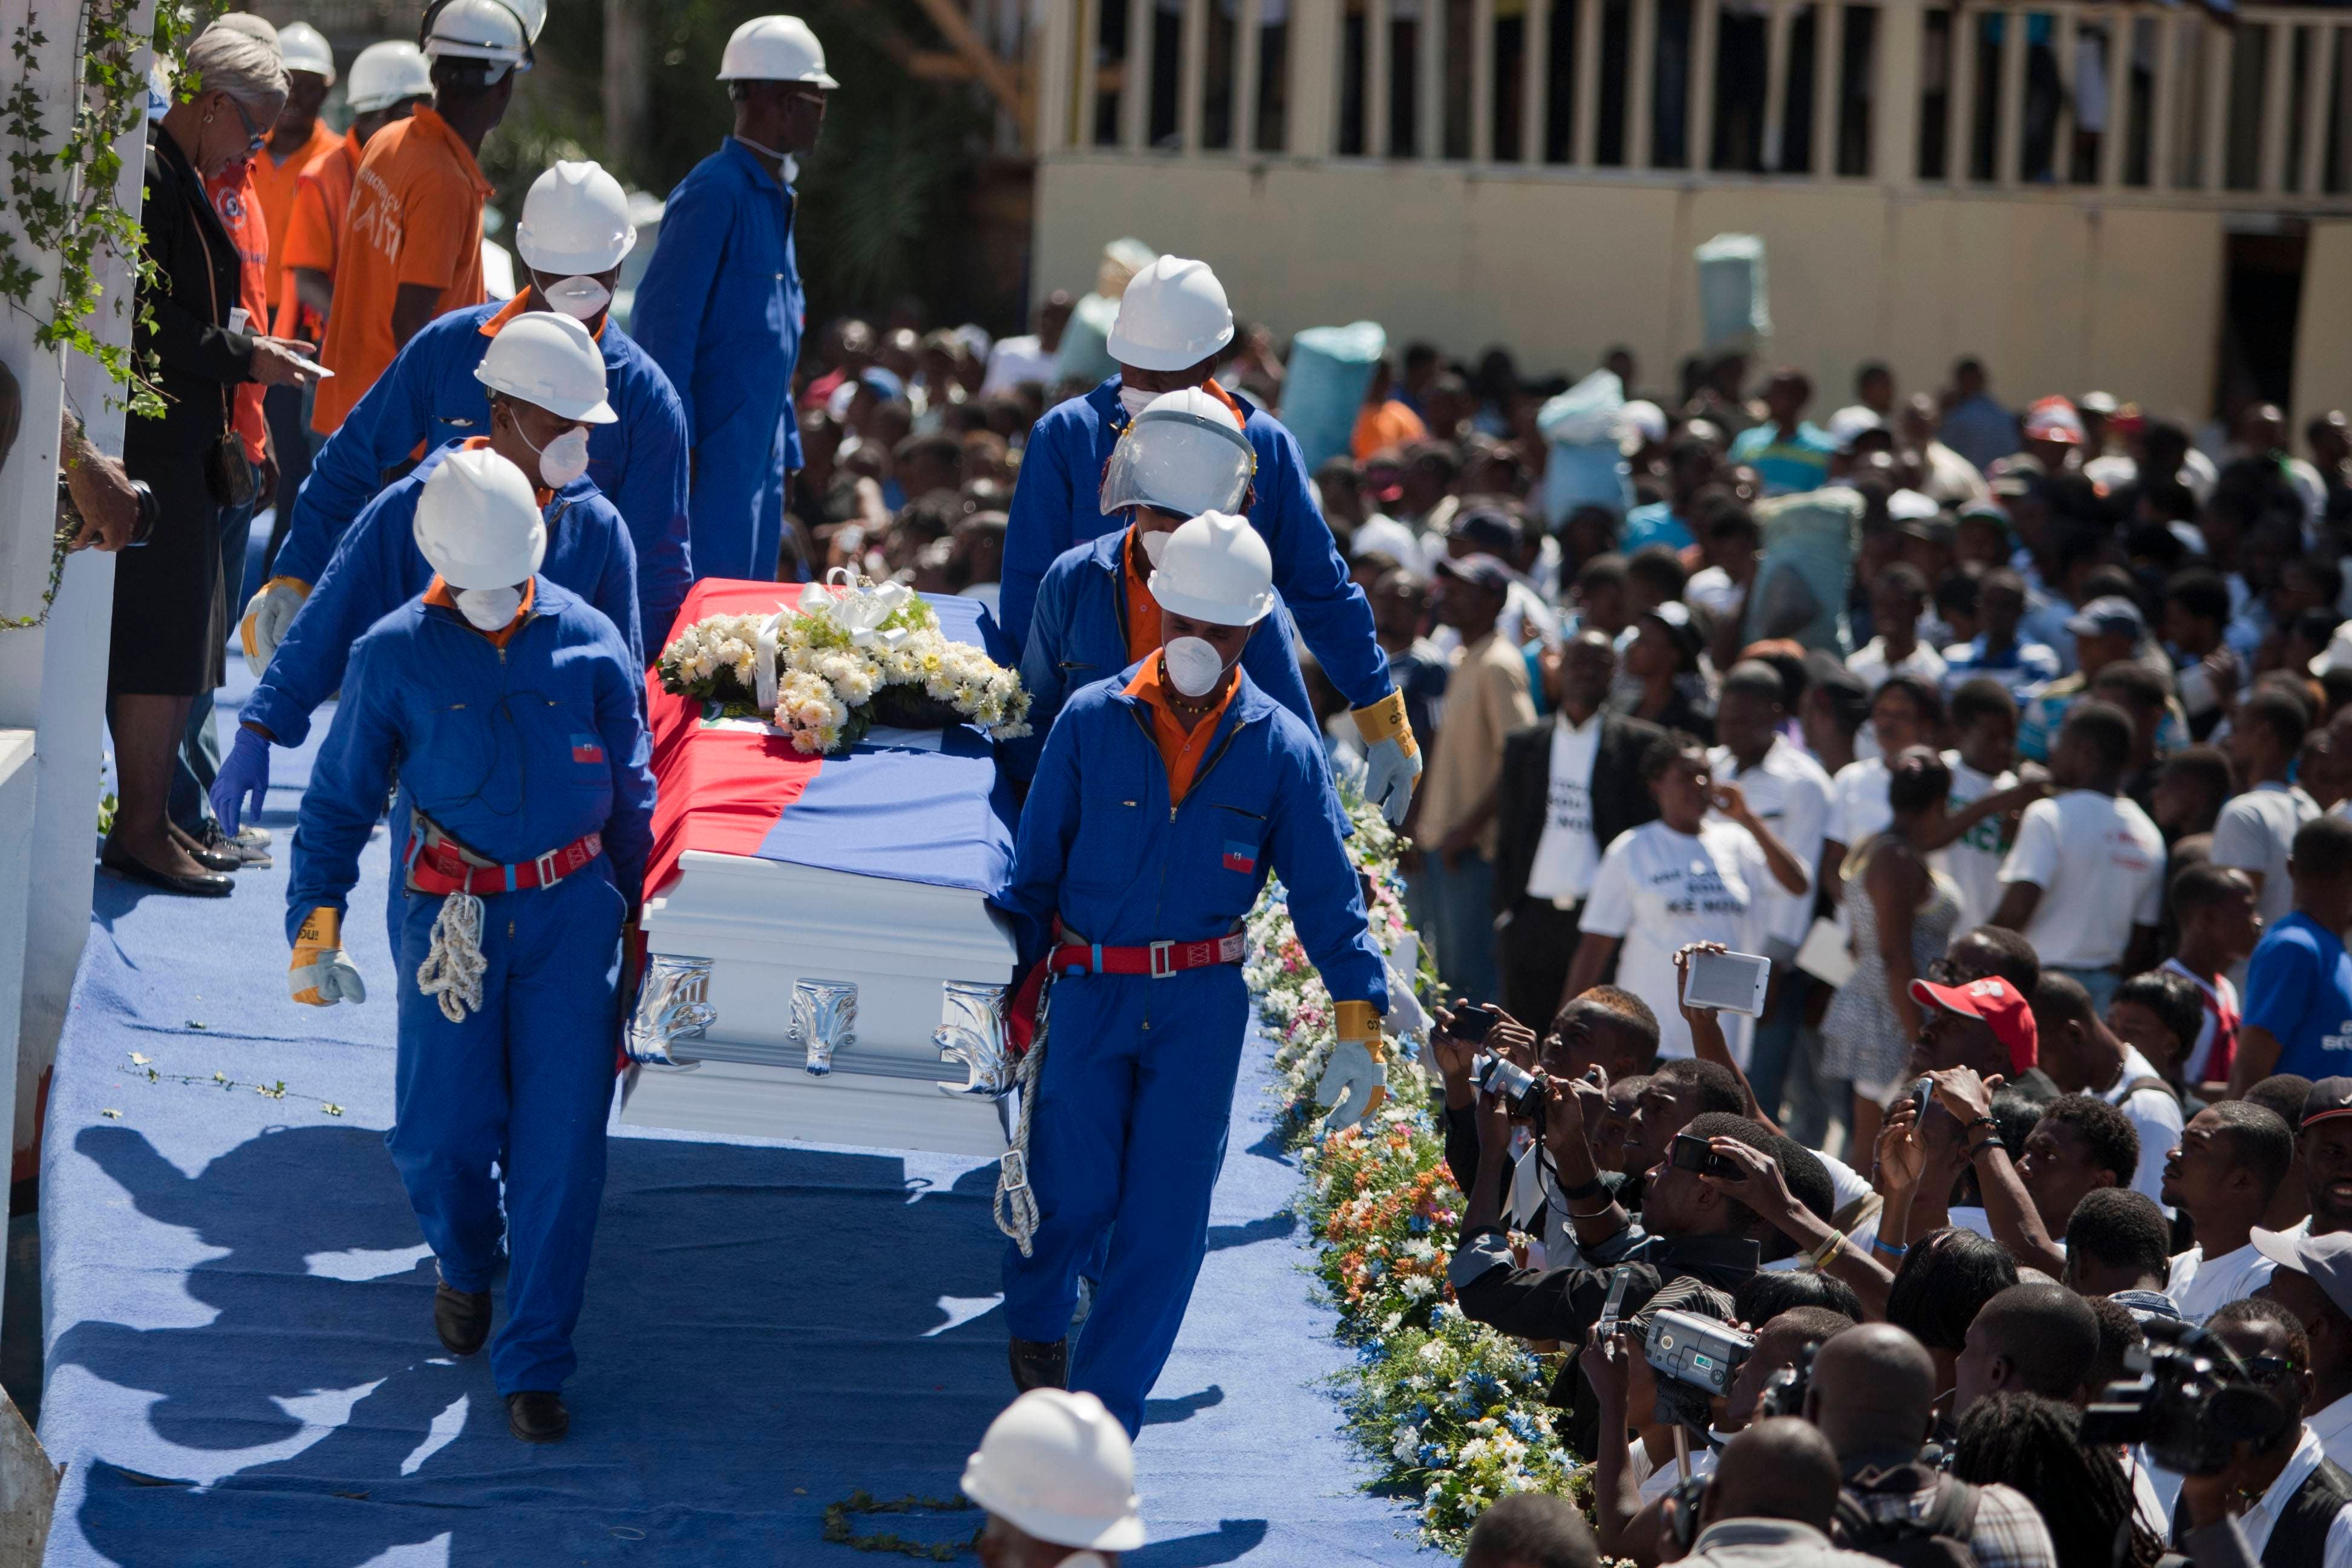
[
  {"x": 298, "y": 138},
  {"x": 387, "y": 82},
  {"x": 411, "y": 245},
  {"x": 233, "y": 196}
]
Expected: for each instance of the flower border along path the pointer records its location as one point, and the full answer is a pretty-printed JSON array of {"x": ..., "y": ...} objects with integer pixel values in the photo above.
[{"x": 1452, "y": 1412}]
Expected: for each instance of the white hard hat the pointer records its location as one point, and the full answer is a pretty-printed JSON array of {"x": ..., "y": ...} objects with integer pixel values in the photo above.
[
  {"x": 1216, "y": 569},
  {"x": 575, "y": 220},
  {"x": 477, "y": 522},
  {"x": 304, "y": 48},
  {"x": 1056, "y": 1466},
  {"x": 1185, "y": 453},
  {"x": 476, "y": 30},
  {"x": 1172, "y": 316},
  {"x": 386, "y": 73},
  {"x": 550, "y": 359},
  {"x": 776, "y": 49}
]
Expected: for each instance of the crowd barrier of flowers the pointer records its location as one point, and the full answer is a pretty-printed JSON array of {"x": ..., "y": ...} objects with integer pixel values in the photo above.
[{"x": 1452, "y": 1412}]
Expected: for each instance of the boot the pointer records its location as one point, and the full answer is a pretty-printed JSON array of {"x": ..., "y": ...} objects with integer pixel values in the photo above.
[
  {"x": 462, "y": 1317},
  {"x": 1037, "y": 1365}
]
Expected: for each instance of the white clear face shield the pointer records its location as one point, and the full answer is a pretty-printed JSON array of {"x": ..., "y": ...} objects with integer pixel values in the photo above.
[{"x": 1179, "y": 462}]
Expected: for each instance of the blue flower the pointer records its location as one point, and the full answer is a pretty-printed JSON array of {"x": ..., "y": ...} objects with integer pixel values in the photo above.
[
  {"x": 1432, "y": 1455},
  {"x": 1370, "y": 1350},
  {"x": 1524, "y": 1430},
  {"x": 1417, "y": 1224}
]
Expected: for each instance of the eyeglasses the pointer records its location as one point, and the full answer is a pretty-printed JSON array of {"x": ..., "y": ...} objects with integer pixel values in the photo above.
[
  {"x": 2269, "y": 1368},
  {"x": 253, "y": 138}
]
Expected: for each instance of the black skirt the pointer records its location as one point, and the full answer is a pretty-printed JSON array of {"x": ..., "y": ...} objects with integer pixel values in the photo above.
[{"x": 170, "y": 608}]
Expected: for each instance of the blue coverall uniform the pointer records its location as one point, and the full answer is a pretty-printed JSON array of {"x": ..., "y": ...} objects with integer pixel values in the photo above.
[
  {"x": 1055, "y": 506},
  {"x": 429, "y": 396},
  {"x": 515, "y": 751},
  {"x": 1077, "y": 636},
  {"x": 376, "y": 568},
  {"x": 720, "y": 309},
  {"x": 1136, "y": 1087}
]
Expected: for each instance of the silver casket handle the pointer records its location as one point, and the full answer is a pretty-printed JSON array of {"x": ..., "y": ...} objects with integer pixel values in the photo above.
[
  {"x": 672, "y": 1006},
  {"x": 825, "y": 1020},
  {"x": 972, "y": 1031}
]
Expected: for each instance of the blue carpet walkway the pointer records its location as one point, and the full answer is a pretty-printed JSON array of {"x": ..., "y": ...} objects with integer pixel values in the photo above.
[{"x": 242, "y": 1369}]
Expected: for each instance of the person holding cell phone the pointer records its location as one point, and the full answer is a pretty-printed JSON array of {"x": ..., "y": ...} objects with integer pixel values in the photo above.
[{"x": 1684, "y": 877}]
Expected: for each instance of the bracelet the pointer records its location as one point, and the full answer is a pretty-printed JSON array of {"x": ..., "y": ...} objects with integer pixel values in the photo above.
[
  {"x": 1977, "y": 1149},
  {"x": 1982, "y": 1122},
  {"x": 1829, "y": 1249},
  {"x": 1880, "y": 1243}
]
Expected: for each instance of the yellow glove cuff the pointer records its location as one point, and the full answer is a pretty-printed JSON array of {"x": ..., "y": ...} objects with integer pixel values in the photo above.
[
  {"x": 322, "y": 929},
  {"x": 299, "y": 586},
  {"x": 1385, "y": 720},
  {"x": 1361, "y": 1021}
]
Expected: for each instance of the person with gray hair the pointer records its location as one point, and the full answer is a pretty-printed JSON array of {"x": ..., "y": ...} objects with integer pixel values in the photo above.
[{"x": 170, "y": 603}]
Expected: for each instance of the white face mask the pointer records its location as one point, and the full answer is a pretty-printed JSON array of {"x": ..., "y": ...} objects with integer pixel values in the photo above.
[
  {"x": 1135, "y": 400},
  {"x": 582, "y": 297},
  {"x": 1193, "y": 666},
  {"x": 489, "y": 609},
  {"x": 1155, "y": 546},
  {"x": 562, "y": 460}
]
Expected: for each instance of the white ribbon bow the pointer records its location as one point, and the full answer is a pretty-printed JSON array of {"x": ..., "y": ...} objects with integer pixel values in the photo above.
[{"x": 846, "y": 599}]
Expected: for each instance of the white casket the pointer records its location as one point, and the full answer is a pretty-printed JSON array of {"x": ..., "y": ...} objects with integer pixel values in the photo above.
[{"x": 822, "y": 963}]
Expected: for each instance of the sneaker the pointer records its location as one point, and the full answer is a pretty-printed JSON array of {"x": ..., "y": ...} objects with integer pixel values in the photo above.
[{"x": 249, "y": 855}]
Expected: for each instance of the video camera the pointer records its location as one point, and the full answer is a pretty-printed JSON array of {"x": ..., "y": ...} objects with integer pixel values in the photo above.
[
  {"x": 1521, "y": 1091},
  {"x": 1695, "y": 1359},
  {"x": 2190, "y": 1404},
  {"x": 1784, "y": 1391}
]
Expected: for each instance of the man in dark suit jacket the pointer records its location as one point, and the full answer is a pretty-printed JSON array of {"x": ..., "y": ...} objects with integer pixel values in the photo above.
[{"x": 1537, "y": 928}]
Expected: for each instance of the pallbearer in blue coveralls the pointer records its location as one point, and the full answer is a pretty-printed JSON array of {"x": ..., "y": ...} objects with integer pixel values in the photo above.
[
  {"x": 543, "y": 385},
  {"x": 1173, "y": 323},
  {"x": 575, "y": 232},
  {"x": 1182, "y": 455},
  {"x": 510, "y": 709},
  {"x": 1165, "y": 797},
  {"x": 721, "y": 304}
]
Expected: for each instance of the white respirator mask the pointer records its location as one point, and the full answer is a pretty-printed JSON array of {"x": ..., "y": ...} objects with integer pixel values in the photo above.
[
  {"x": 488, "y": 609},
  {"x": 1135, "y": 400},
  {"x": 1155, "y": 546},
  {"x": 563, "y": 459},
  {"x": 582, "y": 297},
  {"x": 1193, "y": 666}
]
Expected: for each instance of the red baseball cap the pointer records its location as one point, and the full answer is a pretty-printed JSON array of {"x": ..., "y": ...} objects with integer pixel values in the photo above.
[{"x": 1995, "y": 1001}]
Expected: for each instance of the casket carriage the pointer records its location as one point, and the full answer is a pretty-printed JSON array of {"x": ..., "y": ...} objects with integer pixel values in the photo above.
[{"x": 821, "y": 961}]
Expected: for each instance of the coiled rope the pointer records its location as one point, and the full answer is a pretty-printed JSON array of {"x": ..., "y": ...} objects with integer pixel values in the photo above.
[{"x": 453, "y": 966}]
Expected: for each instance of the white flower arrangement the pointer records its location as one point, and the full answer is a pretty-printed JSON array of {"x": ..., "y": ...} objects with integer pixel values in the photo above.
[{"x": 850, "y": 654}]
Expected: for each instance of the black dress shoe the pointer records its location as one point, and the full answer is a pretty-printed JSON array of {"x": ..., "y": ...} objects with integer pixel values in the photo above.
[
  {"x": 537, "y": 1416},
  {"x": 204, "y": 885},
  {"x": 1037, "y": 1365},
  {"x": 247, "y": 854},
  {"x": 462, "y": 1317},
  {"x": 213, "y": 857}
]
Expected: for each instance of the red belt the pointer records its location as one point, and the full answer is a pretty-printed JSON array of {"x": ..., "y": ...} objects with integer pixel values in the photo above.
[
  {"x": 438, "y": 866},
  {"x": 1158, "y": 960}
]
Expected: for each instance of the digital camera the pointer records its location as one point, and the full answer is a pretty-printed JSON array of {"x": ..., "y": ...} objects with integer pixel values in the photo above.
[
  {"x": 2191, "y": 1403},
  {"x": 1521, "y": 1091}
]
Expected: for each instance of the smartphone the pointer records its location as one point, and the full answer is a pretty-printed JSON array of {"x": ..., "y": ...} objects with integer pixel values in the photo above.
[
  {"x": 1471, "y": 1024},
  {"x": 1727, "y": 982},
  {"x": 1615, "y": 1304},
  {"x": 1690, "y": 1153},
  {"x": 1921, "y": 1093}
]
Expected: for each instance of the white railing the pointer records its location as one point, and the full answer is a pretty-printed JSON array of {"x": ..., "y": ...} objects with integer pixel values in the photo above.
[{"x": 2166, "y": 104}]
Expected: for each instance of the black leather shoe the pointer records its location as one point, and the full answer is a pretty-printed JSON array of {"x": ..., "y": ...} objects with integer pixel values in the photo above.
[
  {"x": 462, "y": 1317},
  {"x": 537, "y": 1416},
  {"x": 1037, "y": 1364},
  {"x": 205, "y": 885},
  {"x": 250, "y": 855}
]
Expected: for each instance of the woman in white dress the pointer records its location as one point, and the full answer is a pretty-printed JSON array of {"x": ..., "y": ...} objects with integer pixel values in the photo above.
[{"x": 1684, "y": 878}]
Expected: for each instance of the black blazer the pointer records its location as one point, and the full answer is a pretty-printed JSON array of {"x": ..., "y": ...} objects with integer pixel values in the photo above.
[
  {"x": 1620, "y": 800},
  {"x": 201, "y": 358}
]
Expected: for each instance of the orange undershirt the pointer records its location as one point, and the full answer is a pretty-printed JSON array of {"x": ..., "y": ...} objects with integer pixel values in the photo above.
[
  {"x": 521, "y": 303},
  {"x": 1180, "y": 750},
  {"x": 545, "y": 497},
  {"x": 1142, "y": 609},
  {"x": 437, "y": 593}
]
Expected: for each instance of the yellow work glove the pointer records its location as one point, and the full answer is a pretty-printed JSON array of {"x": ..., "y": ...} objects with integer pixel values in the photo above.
[
  {"x": 1392, "y": 759},
  {"x": 270, "y": 611},
  {"x": 320, "y": 975},
  {"x": 1356, "y": 1080}
]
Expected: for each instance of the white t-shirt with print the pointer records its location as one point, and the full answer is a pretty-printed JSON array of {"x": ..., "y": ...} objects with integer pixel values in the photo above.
[
  {"x": 1657, "y": 890},
  {"x": 1973, "y": 860},
  {"x": 1566, "y": 856},
  {"x": 2099, "y": 862}
]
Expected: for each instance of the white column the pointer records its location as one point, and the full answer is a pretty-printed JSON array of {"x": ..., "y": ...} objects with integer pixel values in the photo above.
[
  {"x": 1640, "y": 74},
  {"x": 2164, "y": 105},
  {"x": 1829, "y": 79},
  {"x": 1777, "y": 29},
  {"x": 1587, "y": 152},
  {"x": 2314, "y": 108},
  {"x": 1247, "y": 66},
  {"x": 2213, "y": 164},
  {"x": 1482, "y": 80},
  {"x": 1135, "y": 89},
  {"x": 2122, "y": 26},
  {"x": 1192, "y": 74},
  {"x": 1704, "y": 17},
  {"x": 1376, "y": 78},
  {"x": 1894, "y": 125},
  {"x": 1960, "y": 102},
  {"x": 1534, "y": 74},
  {"x": 2275, "y": 103},
  {"x": 1313, "y": 117},
  {"x": 2011, "y": 140},
  {"x": 1429, "y": 73}
]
